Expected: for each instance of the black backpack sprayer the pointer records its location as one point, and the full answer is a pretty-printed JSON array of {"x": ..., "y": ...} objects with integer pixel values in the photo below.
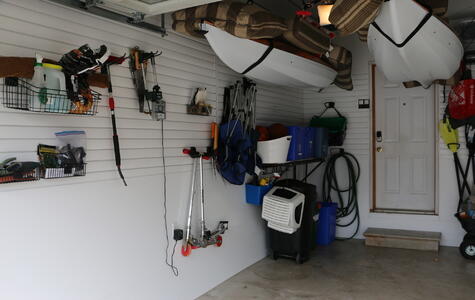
[
  {"x": 207, "y": 237},
  {"x": 460, "y": 112}
]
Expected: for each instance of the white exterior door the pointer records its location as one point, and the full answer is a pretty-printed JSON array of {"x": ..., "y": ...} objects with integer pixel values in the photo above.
[{"x": 405, "y": 147}]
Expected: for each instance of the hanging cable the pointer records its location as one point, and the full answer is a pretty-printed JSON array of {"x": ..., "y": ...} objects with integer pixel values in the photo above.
[
  {"x": 332, "y": 186},
  {"x": 171, "y": 262}
]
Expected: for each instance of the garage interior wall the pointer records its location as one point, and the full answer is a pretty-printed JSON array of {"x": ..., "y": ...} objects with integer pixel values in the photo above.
[
  {"x": 90, "y": 237},
  {"x": 358, "y": 142}
]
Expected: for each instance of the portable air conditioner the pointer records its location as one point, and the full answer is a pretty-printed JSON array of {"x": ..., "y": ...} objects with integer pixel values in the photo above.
[{"x": 282, "y": 208}]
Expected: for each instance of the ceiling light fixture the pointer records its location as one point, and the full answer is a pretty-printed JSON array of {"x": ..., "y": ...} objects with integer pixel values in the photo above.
[
  {"x": 324, "y": 8},
  {"x": 324, "y": 14}
]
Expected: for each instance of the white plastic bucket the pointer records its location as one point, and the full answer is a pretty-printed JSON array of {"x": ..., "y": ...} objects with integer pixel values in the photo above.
[{"x": 274, "y": 151}]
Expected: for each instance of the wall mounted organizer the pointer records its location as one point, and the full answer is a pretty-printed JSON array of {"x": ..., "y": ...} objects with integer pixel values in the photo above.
[
  {"x": 70, "y": 171},
  {"x": 19, "y": 94},
  {"x": 21, "y": 176}
]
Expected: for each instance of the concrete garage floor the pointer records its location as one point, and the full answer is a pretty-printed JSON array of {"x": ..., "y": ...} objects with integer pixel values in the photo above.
[{"x": 349, "y": 270}]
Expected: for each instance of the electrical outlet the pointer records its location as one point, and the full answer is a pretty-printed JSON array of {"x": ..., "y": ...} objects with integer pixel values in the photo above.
[{"x": 177, "y": 234}]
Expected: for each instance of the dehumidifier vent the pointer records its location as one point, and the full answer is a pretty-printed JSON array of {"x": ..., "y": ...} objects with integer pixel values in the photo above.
[{"x": 282, "y": 208}]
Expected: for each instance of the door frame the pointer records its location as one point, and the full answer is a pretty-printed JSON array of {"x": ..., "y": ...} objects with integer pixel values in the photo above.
[{"x": 436, "y": 103}]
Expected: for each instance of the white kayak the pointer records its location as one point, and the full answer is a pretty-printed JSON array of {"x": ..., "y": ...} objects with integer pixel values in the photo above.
[
  {"x": 279, "y": 67},
  {"x": 434, "y": 52}
]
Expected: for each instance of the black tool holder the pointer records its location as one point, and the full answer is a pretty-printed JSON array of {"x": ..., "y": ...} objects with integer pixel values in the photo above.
[{"x": 156, "y": 107}]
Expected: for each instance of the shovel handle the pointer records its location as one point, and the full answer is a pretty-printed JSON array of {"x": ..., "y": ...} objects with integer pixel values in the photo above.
[{"x": 214, "y": 134}]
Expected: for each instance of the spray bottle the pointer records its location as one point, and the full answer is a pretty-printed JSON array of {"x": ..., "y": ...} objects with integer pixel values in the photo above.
[{"x": 39, "y": 96}]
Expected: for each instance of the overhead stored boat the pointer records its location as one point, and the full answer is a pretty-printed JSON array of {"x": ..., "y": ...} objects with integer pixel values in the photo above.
[
  {"x": 264, "y": 61},
  {"x": 408, "y": 43}
]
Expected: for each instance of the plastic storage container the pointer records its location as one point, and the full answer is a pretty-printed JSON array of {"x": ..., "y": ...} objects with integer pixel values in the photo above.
[
  {"x": 73, "y": 164},
  {"x": 321, "y": 142},
  {"x": 256, "y": 193},
  {"x": 309, "y": 149},
  {"x": 274, "y": 151},
  {"x": 326, "y": 224},
  {"x": 297, "y": 146},
  {"x": 56, "y": 87}
]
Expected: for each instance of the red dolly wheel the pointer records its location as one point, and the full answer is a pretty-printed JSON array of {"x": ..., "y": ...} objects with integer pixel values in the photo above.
[
  {"x": 219, "y": 241},
  {"x": 186, "y": 250}
]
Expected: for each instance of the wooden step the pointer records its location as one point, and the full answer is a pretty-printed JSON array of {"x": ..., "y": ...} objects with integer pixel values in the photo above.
[{"x": 404, "y": 239}]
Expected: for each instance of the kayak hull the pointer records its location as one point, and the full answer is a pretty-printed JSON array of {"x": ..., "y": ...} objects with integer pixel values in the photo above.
[
  {"x": 433, "y": 53},
  {"x": 279, "y": 67}
]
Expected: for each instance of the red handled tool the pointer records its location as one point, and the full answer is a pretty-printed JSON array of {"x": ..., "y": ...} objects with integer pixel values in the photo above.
[{"x": 114, "y": 60}]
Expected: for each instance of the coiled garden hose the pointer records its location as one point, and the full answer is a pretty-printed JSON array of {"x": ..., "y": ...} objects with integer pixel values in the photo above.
[{"x": 332, "y": 189}]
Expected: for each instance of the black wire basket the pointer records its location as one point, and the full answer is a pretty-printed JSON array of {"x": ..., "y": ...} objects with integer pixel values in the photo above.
[
  {"x": 69, "y": 171},
  {"x": 19, "y": 94},
  {"x": 32, "y": 175}
]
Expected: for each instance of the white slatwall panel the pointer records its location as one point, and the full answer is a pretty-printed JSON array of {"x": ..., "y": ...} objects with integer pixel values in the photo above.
[{"x": 35, "y": 26}]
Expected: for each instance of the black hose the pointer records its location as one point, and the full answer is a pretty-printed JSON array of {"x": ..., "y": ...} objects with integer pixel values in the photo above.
[{"x": 332, "y": 188}]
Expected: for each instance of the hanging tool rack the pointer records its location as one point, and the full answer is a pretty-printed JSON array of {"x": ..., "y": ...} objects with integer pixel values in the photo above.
[{"x": 150, "y": 100}]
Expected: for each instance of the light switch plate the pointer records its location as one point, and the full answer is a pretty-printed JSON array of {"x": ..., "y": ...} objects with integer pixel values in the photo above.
[{"x": 363, "y": 104}]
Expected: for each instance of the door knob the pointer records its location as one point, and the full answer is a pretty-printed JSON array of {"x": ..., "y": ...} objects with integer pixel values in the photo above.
[{"x": 379, "y": 149}]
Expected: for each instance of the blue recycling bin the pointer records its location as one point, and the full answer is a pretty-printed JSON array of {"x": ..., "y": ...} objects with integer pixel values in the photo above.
[
  {"x": 321, "y": 142},
  {"x": 309, "y": 142},
  {"x": 255, "y": 193},
  {"x": 297, "y": 144},
  {"x": 326, "y": 224}
]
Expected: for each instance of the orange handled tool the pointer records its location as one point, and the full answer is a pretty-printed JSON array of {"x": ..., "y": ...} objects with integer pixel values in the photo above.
[{"x": 215, "y": 135}]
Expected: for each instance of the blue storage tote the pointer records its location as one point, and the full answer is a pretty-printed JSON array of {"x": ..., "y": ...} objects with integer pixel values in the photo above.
[
  {"x": 309, "y": 142},
  {"x": 321, "y": 142},
  {"x": 297, "y": 145},
  {"x": 255, "y": 193},
  {"x": 326, "y": 224}
]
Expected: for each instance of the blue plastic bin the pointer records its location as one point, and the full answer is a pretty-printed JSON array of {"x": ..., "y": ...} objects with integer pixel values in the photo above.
[
  {"x": 321, "y": 142},
  {"x": 297, "y": 145},
  {"x": 309, "y": 150},
  {"x": 255, "y": 193},
  {"x": 326, "y": 224}
]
